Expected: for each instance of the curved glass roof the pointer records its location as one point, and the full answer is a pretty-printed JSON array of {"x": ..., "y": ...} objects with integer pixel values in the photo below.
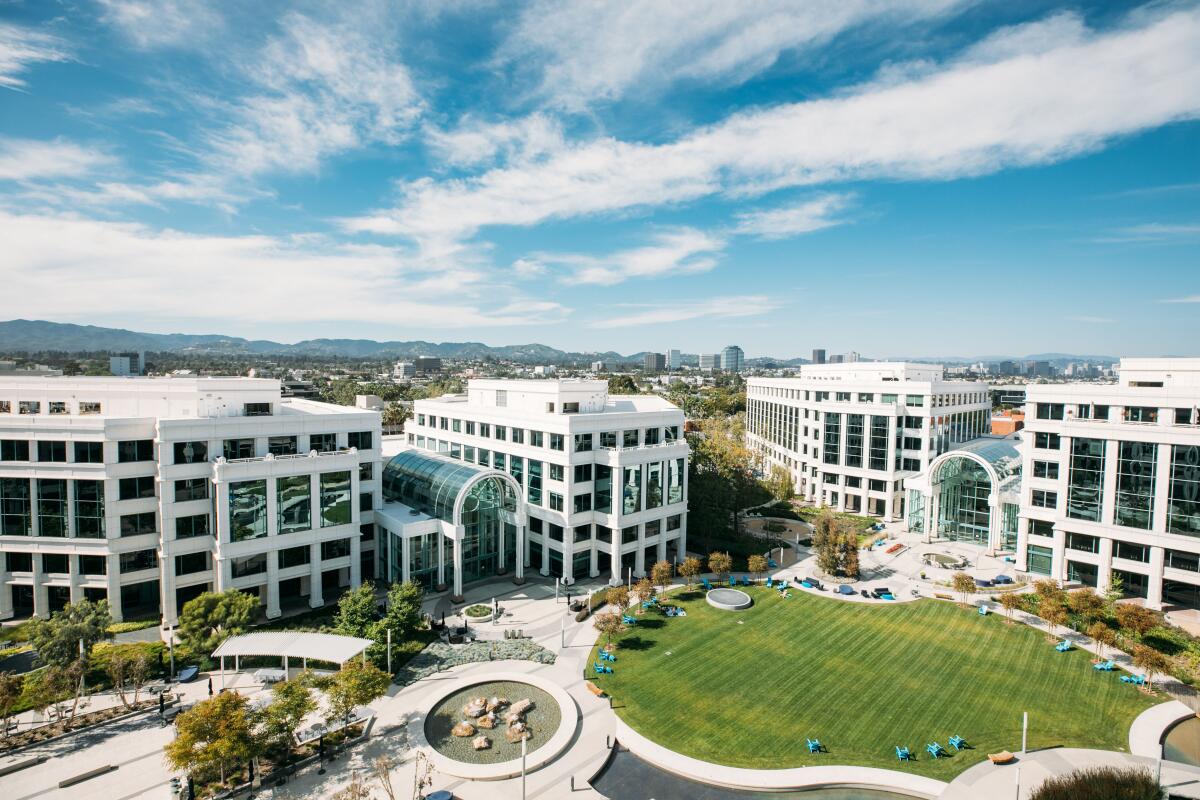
[
  {"x": 427, "y": 482},
  {"x": 999, "y": 451}
]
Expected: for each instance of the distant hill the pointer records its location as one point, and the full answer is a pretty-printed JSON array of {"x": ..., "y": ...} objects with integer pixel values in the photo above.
[{"x": 20, "y": 335}]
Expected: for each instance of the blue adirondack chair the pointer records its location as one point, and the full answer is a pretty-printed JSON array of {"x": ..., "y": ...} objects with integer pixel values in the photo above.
[
  {"x": 814, "y": 745},
  {"x": 903, "y": 754},
  {"x": 935, "y": 749},
  {"x": 707, "y": 585},
  {"x": 958, "y": 742},
  {"x": 628, "y": 620},
  {"x": 732, "y": 581},
  {"x": 1105, "y": 666},
  {"x": 770, "y": 585},
  {"x": 601, "y": 669},
  {"x": 771, "y": 563},
  {"x": 1063, "y": 646},
  {"x": 607, "y": 656},
  {"x": 745, "y": 580}
]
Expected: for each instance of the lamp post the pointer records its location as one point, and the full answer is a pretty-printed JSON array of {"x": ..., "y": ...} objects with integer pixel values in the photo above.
[
  {"x": 389, "y": 651},
  {"x": 523, "y": 748},
  {"x": 171, "y": 647}
]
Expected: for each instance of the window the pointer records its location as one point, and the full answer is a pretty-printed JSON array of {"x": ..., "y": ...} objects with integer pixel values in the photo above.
[
  {"x": 1046, "y": 441},
  {"x": 138, "y": 524},
  {"x": 1140, "y": 414},
  {"x": 632, "y": 490},
  {"x": 914, "y": 400},
  {"x": 582, "y": 533},
  {"x": 556, "y": 441},
  {"x": 1039, "y": 527},
  {"x": 256, "y": 409},
  {"x": 583, "y": 442},
  {"x": 582, "y": 502},
  {"x": 294, "y": 556},
  {"x": 832, "y": 441},
  {"x": 887, "y": 398},
  {"x": 570, "y": 408},
  {"x": 1050, "y": 410},
  {"x": 1045, "y": 469},
  {"x": 866, "y": 397},
  {"x": 854, "y": 440},
  {"x": 651, "y": 436},
  {"x": 52, "y": 506},
  {"x": 1044, "y": 499},
  {"x": 361, "y": 439},
  {"x": 556, "y": 472},
  {"x": 190, "y": 452},
  {"x": 14, "y": 450},
  {"x": 485, "y": 430},
  {"x": 556, "y": 502},
  {"x": 853, "y": 482},
  {"x": 366, "y": 501},
  {"x": 335, "y": 499},
  {"x": 1039, "y": 560},
  {"x": 583, "y": 472},
  {"x": 556, "y": 532},
  {"x": 137, "y": 450},
  {"x": 1132, "y": 552},
  {"x": 191, "y": 489},
  {"x": 248, "y": 565},
  {"x": 56, "y": 563},
  {"x": 366, "y": 471},
  {"x": 15, "y": 507},
  {"x": 58, "y": 407},
  {"x": 535, "y": 439},
  {"x": 602, "y": 489},
  {"x": 629, "y": 534},
  {"x": 136, "y": 488},
  {"x": 338, "y": 548},
  {"x": 876, "y": 485},
  {"x": 629, "y": 439},
  {"x": 1136, "y": 464},
  {"x": 501, "y": 433},
  {"x": 93, "y": 565},
  {"x": 468, "y": 454},
  {"x": 1177, "y": 559},
  {"x": 501, "y": 398},
  {"x": 674, "y": 522},
  {"x": 498, "y": 460},
  {"x": 89, "y": 452},
  {"x": 281, "y": 445},
  {"x": 1086, "y": 480},
  {"x": 293, "y": 496},
  {"x": 1083, "y": 543},
  {"x": 238, "y": 448},
  {"x": 138, "y": 560},
  {"x": 52, "y": 451},
  {"x": 5, "y": 407},
  {"x": 516, "y": 468},
  {"x": 671, "y": 433},
  {"x": 247, "y": 510},
  {"x": 654, "y": 485},
  {"x": 87, "y": 407},
  {"x": 485, "y": 457},
  {"x": 89, "y": 509},
  {"x": 191, "y": 527},
  {"x": 1183, "y": 507},
  {"x": 323, "y": 442},
  {"x": 675, "y": 472},
  {"x": 191, "y": 563},
  {"x": 535, "y": 483},
  {"x": 518, "y": 435},
  {"x": 29, "y": 407},
  {"x": 470, "y": 428},
  {"x": 608, "y": 439},
  {"x": 1183, "y": 416}
]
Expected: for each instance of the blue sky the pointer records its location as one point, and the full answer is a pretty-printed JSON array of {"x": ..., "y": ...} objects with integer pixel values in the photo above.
[{"x": 912, "y": 177}]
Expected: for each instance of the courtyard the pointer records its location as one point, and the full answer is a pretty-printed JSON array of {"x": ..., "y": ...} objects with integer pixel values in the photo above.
[{"x": 747, "y": 689}]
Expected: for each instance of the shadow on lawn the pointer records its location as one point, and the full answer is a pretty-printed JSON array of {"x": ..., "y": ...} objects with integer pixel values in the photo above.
[
  {"x": 635, "y": 643},
  {"x": 650, "y": 623}
]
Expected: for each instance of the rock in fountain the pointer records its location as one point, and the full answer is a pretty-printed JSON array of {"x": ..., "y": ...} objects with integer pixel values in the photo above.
[
  {"x": 481, "y": 743},
  {"x": 476, "y": 707},
  {"x": 496, "y": 703},
  {"x": 463, "y": 729},
  {"x": 517, "y": 712},
  {"x": 516, "y": 732},
  {"x": 488, "y": 720}
]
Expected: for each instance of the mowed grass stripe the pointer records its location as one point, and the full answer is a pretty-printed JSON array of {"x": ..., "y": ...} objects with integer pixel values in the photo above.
[{"x": 860, "y": 678}]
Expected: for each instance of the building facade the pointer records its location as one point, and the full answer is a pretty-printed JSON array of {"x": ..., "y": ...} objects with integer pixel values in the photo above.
[
  {"x": 655, "y": 362},
  {"x": 849, "y": 434},
  {"x": 600, "y": 482},
  {"x": 733, "y": 359},
  {"x": 149, "y": 491},
  {"x": 674, "y": 359},
  {"x": 1111, "y": 483},
  {"x": 710, "y": 361}
]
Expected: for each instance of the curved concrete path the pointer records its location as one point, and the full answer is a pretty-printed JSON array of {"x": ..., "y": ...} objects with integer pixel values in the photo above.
[
  {"x": 1147, "y": 731},
  {"x": 776, "y": 779}
]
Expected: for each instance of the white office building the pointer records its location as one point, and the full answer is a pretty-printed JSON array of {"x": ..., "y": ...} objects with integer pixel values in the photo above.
[
  {"x": 710, "y": 361},
  {"x": 553, "y": 475},
  {"x": 850, "y": 434},
  {"x": 1111, "y": 483},
  {"x": 149, "y": 491}
]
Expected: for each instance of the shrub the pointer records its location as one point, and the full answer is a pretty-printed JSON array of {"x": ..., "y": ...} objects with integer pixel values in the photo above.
[
  {"x": 1100, "y": 783},
  {"x": 477, "y": 610}
]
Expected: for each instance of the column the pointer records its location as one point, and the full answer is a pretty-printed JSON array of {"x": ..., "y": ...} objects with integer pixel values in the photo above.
[
  {"x": 501, "y": 563},
  {"x": 1104, "y": 571},
  {"x": 522, "y": 536},
  {"x": 889, "y": 505},
  {"x": 41, "y": 598},
  {"x": 405, "y": 558},
  {"x": 935, "y": 507},
  {"x": 681, "y": 548},
  {"x": 593, "y": 569},
  {"x": 441, "y": 560},
  {"x": 1162, "y": 488},
  {"x": 865, "y": 502},
  {"x": 662, "y": 541},
  {"x": 995, "y": 520},
  {"x": 6, "y": 606},
  {"x": 458, "y": 568},
  {"x": 1154, "y": 588},
  {"x": 273, "y": 609},
  {"x": 316, "y": 592},
  {"x": 1058, "y": 566},
  {"x": 615, "y": 557},
  {"x": 1022, "y": 553},
  {"x": 841, "y": 503},
  {"x": 355, "y": 560},
  {"x": 166, "y": 588},
  {"x": 1108, "y": 494},
  {"x": 545, "y": 570},
  {"x": 568, "y": 556},
  {"x": 639, "y": 558}
]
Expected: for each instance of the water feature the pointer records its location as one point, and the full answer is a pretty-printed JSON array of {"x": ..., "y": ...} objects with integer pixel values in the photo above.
[
  {"x": 543, "y": 720},
  {"x": 1182, "y": 742},
  {"x": 728, "y": 599}
]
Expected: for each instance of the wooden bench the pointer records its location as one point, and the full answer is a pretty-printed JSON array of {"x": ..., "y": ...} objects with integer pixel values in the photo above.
[{"x": 594, "y": 689}]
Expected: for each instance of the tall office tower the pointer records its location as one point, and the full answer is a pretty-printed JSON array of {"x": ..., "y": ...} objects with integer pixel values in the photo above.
[
  {"x": 655, "y": 362},
  {"x": 818, "y": 356},
  {"x": 127, "y": 364},
  {"x": 732, "y": 359},
  {"x": 427, "y": 365},
  {"x": 555, "y": 475},
  {"x": 1111, "y": 482},
  {"x": 674, "y": 360},
  {"x": 850, "y": 434},
  {"x": 148, "y": 491}
]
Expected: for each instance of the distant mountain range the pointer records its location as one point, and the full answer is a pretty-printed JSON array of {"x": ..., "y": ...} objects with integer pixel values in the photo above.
[{"x": 30, "y": 336}]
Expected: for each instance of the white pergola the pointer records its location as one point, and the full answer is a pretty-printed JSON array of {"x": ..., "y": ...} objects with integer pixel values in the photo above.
[{"x": 292, "y": 644}]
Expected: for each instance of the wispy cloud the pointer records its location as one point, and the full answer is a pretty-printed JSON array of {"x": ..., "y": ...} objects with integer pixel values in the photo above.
[
  {"x": 1194, "y": 298},
  {"x": 21, "y": 47},
  {"x": 152, "y": 24},
  {"x": 791, "y": 220},
  {"x": 675, "y": 251},
  {"x": 28, "y": 159},
  {"x": 975, "y": 115},
  {"x": 580, "y": 53},
  {"x": 720, "y": 308},
  {"x": 1152, "y": 232}
]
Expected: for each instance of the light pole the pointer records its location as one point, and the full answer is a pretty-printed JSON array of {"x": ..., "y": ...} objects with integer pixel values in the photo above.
[
  {"x": 171, "y": 646},
  {"x": 1024, "y": 729},
  {"x": 389, "y": 648},
  {"x": 523, "y": 768}
]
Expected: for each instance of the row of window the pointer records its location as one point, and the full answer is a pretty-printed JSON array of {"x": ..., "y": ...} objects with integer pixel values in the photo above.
[
  {"x": 294, "y": 512},
  {"x": 52, "y": 407},
  {"x": 1095, "y": 411},
  {"x": 185, "y": 452},
  {"x": 582, "y": 442},
  {"x": 539, "y": 528}
]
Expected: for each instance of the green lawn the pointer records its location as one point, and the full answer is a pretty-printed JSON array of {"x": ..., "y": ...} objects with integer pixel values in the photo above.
[{"x": 745, "y": 689}]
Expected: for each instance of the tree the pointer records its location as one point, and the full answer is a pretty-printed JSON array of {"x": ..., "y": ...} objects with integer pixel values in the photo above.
[
  {"x": 721, "y": 481},
  {"x": 73, "y": 677},
  {"x": 964, "y": 584},
  {"x": 1086, "y": 604},
  {"x": 1116, "y": 590},
  {"x": 381, "y": 768},
  {"x": 10, "y": 693},
  {"x": 356, "y": 789},
  {"x": 622, "y": 384},
  {"x": 1048, "y": 592},
  {"x": 1150, "y": 661},
  {"x": 214, "y": 735},
  {"x": 38, "y": 690},
  {"x": 780, "y": 483},
  {"x": 720, "y": 564},
  {"x": 395, "y": 415},
  {"x": 291, "y": 701},
  {"x": 1137, "y": 620},
  {"x": 690, "y": 568},
  {"x": 208, "y": 618},
  {"x": 355, "y": 684},
  {"x": 1011, "y": 601},
  {"x": 661, "y": 573},
  {"x": 617, "y": 596},
  {"x": 1055, "y": 615},
  {"x": 609, "y": 624},
  {"x": 117, "y": 669},
  {"x": 357, "y": 612},
  {"x": 757, "y": 564},
  {"x": 402, "y": 612},
  {"x": 56, "y": 639},
  {"x": 1103, "y": 636},
  {"x": 644, "y": 589},
  {"x": 850, "y": 555}
]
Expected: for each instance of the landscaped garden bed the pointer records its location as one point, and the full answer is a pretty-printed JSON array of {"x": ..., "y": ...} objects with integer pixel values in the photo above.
[
  {"x": 477, "y": 613},
  {"x": 862, "y": 679},
  {"x": 439, "y": 656},
  {"x": 41, "y": 733}
]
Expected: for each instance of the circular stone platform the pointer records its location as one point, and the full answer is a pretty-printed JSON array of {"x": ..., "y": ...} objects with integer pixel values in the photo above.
[
  {"x": 553, "y": 720},
  {"x": 728, "y": 599}
]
